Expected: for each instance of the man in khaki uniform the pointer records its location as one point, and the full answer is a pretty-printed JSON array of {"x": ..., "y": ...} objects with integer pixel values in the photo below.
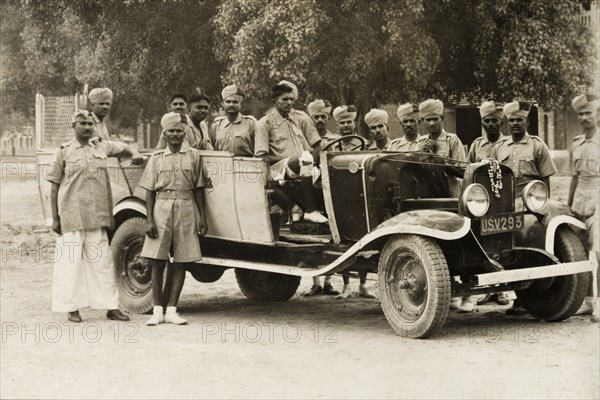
[
  {"x": 481, "y": 148},
  {"x": 377, "y": 121},
  {"x": 319, "y": 112},
  {"x": 288, "y": 139},
  {"x": 100, "y": 100},
  {"x": 527, "y": 156},
  {"x": 81, "y": 200},
  {"x": 408, "y": 115},
  {"x": 175, "y": 204},
  {"x": 585, "y": 184},
  {"x": 196, "y": 131},
  {"x": 233, "y": 132}
]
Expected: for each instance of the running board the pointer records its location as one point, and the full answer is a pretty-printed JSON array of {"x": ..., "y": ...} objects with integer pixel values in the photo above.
[{"x": 527, "y": 274}]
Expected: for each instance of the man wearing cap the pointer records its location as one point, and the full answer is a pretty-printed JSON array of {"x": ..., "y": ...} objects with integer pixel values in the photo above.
[
  {"x": 583, "y": 192},
  {"x": 288, "y": 139},
  {"x": 319, "y": 112},
  {"x": 100, "y": 100},
  {"x": 377, "y": 121},
  {"x": 81, "y": 201},
  {"x": 196, "y": 132},
  {"x": 527, "y": 156},
  {"x": 481, "y": 148},
  {"x": 448, "y": 144},
  {"x": 408, "y": 115},
  {"x": 176, "y": 216},
  {"x": 233, "y": 132}
]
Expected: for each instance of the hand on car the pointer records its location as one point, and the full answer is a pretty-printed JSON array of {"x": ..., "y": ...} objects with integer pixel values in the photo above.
[{"x": 137, "y": 159}]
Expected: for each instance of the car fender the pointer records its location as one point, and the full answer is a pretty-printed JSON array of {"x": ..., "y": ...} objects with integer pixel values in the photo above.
[
  {"x": 442, "y": 225},
  {"x": 130, "y": 204},
  {"x": 540, "y": 232}
]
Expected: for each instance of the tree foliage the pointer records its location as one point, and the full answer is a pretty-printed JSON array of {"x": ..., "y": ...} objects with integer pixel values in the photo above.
[{"x": 352, "y": 51}]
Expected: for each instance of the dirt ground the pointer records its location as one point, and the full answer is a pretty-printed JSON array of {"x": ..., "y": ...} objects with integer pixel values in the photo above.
[{"x": 233, "y": 348}]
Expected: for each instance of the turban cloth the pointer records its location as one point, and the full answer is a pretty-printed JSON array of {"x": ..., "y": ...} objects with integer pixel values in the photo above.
[
  {"x": 492, "y": 108},
  {"x": 80, "y": 115},
  {"x": 376, "y": 117},
  {"x": 516, "y": 108},
  {"x": 278, "y": 90},
  {"x": 431, "y": 106},
  {"x": 100, "y": 95},
  {"x": 173, "y": 120},
  {"x": 406, "y": 110},
  {"x": 292, "y": 86},
  {"x": 233, "y": 90},
  {"x": 343, "y": 113},
  {"x": 585, "y": 102},
  {"x": 318, "y": 107}
]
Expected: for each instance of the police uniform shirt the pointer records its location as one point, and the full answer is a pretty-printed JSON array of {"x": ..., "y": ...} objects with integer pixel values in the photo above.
[
  {"x": 84, "y": 195},
  {"x": 328, "y": 137},
  {"x": 196, "y": 138},
  {"x": 284, "y": 137},
  {"x": 529, "y": 159},
  {"x": 585, "y": 154},
  {"x": 449, "y": 145},
  {"x": 481, "y": 148},
  {"x": 236, "y": 137},
  {"x": 373, "y": 146},
  {"x": 401, "y": 144}
]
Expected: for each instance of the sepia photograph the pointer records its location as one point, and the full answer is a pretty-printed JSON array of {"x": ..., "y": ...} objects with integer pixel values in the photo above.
[{"x": 299, "y": 199}]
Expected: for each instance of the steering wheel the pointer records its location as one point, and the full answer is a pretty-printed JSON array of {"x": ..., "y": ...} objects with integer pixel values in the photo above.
[{"x": 347, "y": 139}]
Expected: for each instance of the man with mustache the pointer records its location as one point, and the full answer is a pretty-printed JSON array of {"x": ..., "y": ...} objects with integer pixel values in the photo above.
[
  {"x": 81, "y": 202},
  {"x": 377, "y": 121},
  {"x": 233, "y": 132},
  {"x": 529, "y": 158},
  {"x": 100, "y": 100},
  {"x": 319, "y": 112},
  {"x": 408, "y": 115},
  {"x": 583, "y": 192},
  {"x": 176, "y": 216}
]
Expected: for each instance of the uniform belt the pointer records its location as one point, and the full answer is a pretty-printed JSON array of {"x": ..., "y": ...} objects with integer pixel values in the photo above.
[{"x": 175, "y": 194}]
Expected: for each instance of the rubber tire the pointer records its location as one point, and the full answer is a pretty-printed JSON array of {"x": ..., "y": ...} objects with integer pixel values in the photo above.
[
  {"x": 426, "y": 252},
  {"x": 131, "y": 232},
  {"x": 565, "y": 294},
  {"x": 280, "y": 288}
]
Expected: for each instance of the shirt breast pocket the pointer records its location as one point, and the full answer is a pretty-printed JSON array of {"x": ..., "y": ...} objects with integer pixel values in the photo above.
[{"x": 528, "y": 168}]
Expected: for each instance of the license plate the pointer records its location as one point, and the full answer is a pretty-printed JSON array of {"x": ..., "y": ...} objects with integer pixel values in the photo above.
[{"x": 501, "y": 223}]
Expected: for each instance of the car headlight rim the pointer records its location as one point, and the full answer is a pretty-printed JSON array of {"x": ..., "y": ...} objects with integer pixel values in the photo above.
[
  {"x": 476, "y": 200},
  {"x": 535, "y": 195}
]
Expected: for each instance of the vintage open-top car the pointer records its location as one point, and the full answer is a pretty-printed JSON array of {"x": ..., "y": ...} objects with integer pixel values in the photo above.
[{"x": 389, "y": 213}]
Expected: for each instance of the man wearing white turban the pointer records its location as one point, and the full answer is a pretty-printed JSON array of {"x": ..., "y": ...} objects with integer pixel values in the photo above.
[
  {"x": 100, "y": 100},
  {"x": 408, "y": 115},
  {"x": 448, "y": 144},
  {"x": 377, "y": 121},
  {"x": 233, "y": 132},
  {"x": 583, "y": 193},
  {"x": 527, "y": 156},
  {"x": 319, "y": 111},
  {"x": 84, "y": 273},
  {"x": 176, "y": 214}
]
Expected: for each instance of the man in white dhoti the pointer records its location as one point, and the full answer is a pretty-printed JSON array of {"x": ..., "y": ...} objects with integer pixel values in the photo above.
[{"x": 81, "y": 199}]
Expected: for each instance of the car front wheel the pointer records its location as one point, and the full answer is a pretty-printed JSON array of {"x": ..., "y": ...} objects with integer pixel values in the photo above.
[
  {"x": 559, "y": 297},
  {"x": 414, "y": 285}
]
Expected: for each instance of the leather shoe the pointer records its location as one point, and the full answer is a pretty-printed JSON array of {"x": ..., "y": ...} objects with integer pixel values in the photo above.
[
  {"x": 502, "y": 299},
  {"x": 516, "y": 309},
  {"x": 314, "y": 290},
  {"x": 116, "y": 315},
  {"x": 329, "y": 290},
  {"x": 74, "y": 316},
  {"x": 488, "y": 298}
]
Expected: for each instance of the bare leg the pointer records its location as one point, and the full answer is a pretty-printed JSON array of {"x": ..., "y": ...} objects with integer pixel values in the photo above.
[
  {"x": 158, "y": 268},
  {"x": 177, "y": 284},
  {"x": 346, "y": 291}
]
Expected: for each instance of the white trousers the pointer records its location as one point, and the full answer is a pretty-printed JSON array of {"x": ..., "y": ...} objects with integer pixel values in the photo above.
[{"x": 84, "y": 273}]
